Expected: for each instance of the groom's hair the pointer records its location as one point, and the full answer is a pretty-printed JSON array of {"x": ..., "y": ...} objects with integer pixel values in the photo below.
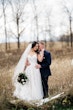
[
  {"x": 42, "y": 42},
  {"x": 34, "y": 44}
]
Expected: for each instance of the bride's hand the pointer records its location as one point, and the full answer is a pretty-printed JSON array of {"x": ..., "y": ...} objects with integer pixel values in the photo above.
[
  {"x": 27, "y": 63},
  {"x": 38, "y": 66}
]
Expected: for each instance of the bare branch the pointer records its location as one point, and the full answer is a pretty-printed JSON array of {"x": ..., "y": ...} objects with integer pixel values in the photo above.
[
  {"x": 22, "y": 31},
  {"x": 68, "y": 11},
  {"x": 18, "y": 7}
]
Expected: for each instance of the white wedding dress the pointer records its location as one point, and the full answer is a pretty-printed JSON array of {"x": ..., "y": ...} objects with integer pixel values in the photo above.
[{"x": 32, "y": 90}]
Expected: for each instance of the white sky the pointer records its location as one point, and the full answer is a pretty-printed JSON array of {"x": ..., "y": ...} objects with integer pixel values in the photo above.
[{"x": 57, "y": 18}]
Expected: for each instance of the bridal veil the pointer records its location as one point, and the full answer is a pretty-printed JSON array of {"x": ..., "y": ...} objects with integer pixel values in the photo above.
[{"x": 21, "y": 64}]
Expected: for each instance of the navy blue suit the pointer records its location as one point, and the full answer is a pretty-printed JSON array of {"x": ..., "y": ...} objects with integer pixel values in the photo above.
[{"x": 45, "y": 71}]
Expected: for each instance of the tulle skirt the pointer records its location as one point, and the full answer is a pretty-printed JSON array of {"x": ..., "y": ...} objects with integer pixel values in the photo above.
[{"x": 32, "y": 89}]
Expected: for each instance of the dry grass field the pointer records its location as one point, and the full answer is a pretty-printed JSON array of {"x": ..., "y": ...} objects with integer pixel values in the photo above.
[{"x": 61, "y": 68}]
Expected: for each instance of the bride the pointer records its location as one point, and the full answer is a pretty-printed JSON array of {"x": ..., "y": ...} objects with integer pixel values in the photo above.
[{"x": 32, "y": 90}]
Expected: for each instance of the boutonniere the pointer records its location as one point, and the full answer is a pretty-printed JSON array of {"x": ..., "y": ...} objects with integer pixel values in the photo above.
[{"x": 43, "y": 57}]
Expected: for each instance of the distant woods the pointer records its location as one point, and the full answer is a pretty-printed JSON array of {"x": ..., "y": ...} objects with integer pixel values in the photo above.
[
  {"x": 68, "y": 10},
  {"x": 14, "y": 19}
]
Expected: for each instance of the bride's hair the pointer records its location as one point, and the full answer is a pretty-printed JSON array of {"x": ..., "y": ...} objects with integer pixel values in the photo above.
[{"x": 34, "y": 44}]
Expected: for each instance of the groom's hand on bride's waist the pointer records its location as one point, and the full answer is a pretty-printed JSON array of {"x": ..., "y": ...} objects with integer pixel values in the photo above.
[{"x": 38, "y": 66}]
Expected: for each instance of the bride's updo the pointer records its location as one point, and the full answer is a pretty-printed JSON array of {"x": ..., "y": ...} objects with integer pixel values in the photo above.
[{"x": 34, "y": 44}]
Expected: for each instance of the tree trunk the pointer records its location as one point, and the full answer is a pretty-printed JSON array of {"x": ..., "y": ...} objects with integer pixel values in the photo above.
[
  {"x": 71, "y": 31},
  {"x": 37, "y": 28},
  {"x": 5, "y": 30},
  {"x": 18, "y": 43},
  {"x": 18, "y": 35}
]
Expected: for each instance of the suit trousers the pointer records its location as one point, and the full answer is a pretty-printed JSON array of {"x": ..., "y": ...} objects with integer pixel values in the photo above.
[{"x": 45, "y": 85}]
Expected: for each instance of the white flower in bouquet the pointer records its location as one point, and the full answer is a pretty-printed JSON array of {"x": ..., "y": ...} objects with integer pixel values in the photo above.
[{"x": 22, "y": 78}]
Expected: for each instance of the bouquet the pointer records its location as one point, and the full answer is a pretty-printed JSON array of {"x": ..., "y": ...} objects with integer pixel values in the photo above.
[{"x": 22, "y": 78}]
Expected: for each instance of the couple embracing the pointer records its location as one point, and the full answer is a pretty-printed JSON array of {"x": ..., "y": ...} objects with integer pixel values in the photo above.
[{"x": 35, "y": 61}]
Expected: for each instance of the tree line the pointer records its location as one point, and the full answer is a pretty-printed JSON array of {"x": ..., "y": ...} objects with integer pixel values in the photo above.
[{"x": 18, "y": 18}]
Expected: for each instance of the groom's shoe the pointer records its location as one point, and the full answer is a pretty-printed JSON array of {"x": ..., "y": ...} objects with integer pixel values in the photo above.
[
  {"x": 46, "y": 96},
  {"x": 43, "y": 97}
]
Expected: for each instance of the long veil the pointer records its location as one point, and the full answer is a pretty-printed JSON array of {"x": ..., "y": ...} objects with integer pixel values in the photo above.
[{"x": 21, "y": 64}]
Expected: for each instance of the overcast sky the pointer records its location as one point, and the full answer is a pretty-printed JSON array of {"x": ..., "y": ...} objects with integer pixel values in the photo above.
[{"x": 58, "y": 19}]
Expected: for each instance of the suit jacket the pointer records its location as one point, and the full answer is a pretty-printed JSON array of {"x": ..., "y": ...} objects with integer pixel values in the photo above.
[{"x": 45, "y": 64}]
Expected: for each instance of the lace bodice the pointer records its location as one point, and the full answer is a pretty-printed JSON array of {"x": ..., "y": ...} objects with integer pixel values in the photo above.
[{"x": 32, "y": 59}]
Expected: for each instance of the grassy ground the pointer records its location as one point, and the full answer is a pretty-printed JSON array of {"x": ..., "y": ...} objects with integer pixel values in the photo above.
[{"x": 61, "y": 79}]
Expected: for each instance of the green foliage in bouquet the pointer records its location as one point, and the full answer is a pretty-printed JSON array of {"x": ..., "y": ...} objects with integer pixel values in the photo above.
[{"x": 22, "y": 78}]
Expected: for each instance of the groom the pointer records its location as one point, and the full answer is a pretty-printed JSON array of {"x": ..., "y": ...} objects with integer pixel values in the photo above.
[{"x": 45, "y": 67}]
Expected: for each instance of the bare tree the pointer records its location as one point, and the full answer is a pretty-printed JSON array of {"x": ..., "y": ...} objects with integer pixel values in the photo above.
[
  {"x": 18, "y": 14},
  {"x": 4, "y": 4},
  {"x": 48, "y": 26},
  {"x": 68, "y": 10},
  {"x": 48, "y": 14},
  {"x": 36, "y": 17}
]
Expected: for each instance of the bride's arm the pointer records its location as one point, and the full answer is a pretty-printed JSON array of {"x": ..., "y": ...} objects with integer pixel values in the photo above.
[{"x": 26, "y": 64}]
